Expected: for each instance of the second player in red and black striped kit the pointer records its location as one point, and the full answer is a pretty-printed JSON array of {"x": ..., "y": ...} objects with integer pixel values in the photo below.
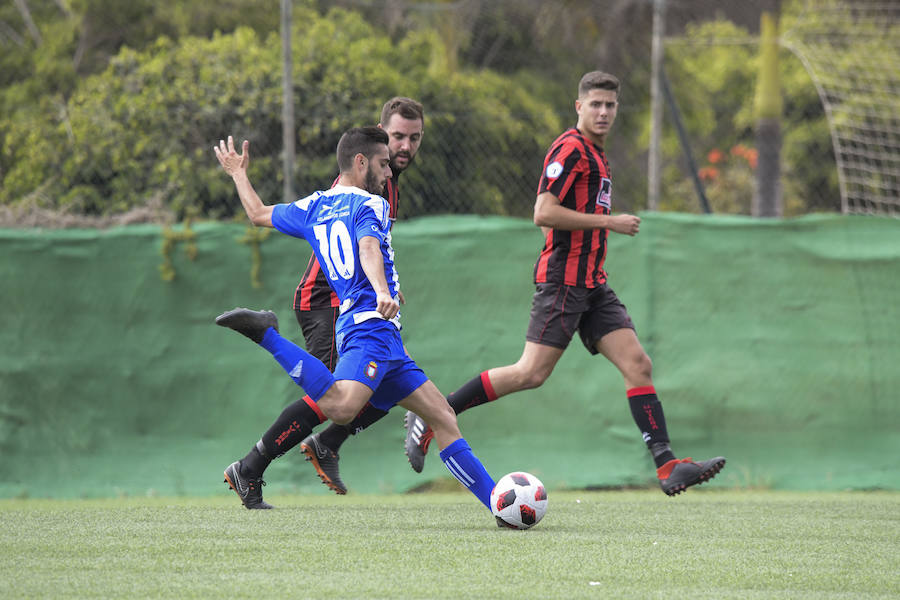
[{"x": 573, "y": 210}]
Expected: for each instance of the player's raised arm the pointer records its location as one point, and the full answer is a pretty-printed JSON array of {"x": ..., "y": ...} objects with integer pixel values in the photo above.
[
  {"x": 549, "y": 212},
  {"x": 373, "y": 264},
  {"x": 236, "y": 165}
]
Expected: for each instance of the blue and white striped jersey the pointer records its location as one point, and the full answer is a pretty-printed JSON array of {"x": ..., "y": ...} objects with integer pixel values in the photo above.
[{"x": 333, "y": 221}]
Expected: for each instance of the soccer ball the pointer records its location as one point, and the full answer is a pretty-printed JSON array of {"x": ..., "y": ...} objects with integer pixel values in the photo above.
[{"x": 519, "y": 500}]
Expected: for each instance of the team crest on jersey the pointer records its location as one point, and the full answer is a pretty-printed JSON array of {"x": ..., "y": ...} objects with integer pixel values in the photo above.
[
  {"x": 554, "y": 170},
  {"x": 371, "y": 370},
  {"x": 604, "y": 197}
]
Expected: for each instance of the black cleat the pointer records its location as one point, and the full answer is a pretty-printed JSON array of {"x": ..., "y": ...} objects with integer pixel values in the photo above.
[
  {"x": 248, "y": 490},
  {"x": 678, "y": 475},
  {"x": 418, "y": 437},
  {"x": 251, "y": 323},
  {"x": 325, "y": 460}
]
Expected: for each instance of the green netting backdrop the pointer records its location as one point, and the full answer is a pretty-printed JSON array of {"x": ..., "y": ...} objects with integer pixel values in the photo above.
[{"x": 775, "y": 343}]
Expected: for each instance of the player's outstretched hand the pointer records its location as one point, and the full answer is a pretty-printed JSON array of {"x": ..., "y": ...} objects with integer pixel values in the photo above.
[
  {"x": 230, "y": 160},
  {"x": 387, "y": 306},
  {"x": 626, "y": 224}
]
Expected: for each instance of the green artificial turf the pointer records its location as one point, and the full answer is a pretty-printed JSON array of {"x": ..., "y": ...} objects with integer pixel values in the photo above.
[{"x": 616, "y": 544}]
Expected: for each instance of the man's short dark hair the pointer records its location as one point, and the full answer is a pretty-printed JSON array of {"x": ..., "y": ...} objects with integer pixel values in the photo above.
[
  {"x": 598, "y": 80},
  {"x": 359, "y": 140},
  {"x": 405, "y": 107}
]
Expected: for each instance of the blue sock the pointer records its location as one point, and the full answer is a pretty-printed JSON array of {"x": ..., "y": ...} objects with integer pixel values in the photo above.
[
  {"x": 466, "y": 467},
  {"x": 306, "y": 370}
]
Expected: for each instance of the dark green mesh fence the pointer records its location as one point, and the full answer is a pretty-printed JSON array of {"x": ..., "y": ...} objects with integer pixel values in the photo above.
[{"x": 774, "y": 343}]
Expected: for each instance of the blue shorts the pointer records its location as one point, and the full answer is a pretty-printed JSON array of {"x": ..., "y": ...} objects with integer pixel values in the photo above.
[{"x": 375, "y": 362}]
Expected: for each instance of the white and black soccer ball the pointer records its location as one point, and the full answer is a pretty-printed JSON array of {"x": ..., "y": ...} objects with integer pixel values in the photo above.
[{"x": 519, "y": 500}]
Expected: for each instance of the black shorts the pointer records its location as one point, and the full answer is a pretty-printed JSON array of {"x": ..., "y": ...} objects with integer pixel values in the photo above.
[
  {"x": 557, "y": 311},
  {"x": 318, "y": 331}
]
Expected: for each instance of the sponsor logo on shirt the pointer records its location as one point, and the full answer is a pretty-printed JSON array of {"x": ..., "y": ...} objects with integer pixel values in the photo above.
[
  {"x": 604, "y": 197},
  {"x": 554, "y": 170}
]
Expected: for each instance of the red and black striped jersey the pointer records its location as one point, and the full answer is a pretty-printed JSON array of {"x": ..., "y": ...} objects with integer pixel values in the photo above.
[
  {"x": 313, "y": 291},
  {"x": 576, "y": 172}
]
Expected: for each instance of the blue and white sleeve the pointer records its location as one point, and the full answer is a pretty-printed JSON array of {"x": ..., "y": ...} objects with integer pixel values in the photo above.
[
  {"x": 373, "y": 220},
  {"x": 291, "y": 219},
  {"x": 285, "y": 219}
]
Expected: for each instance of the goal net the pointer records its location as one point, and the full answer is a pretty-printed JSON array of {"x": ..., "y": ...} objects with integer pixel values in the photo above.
[{"x": 851, "y": 49}]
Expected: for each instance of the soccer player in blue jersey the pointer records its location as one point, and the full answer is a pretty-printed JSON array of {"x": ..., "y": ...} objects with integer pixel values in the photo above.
[
  {"x": 317, "y": 306},
  {"x": 348, "y": 228}
]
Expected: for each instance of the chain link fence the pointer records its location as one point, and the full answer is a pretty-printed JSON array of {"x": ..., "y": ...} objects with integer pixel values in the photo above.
[{"x": 711, "y": 60}]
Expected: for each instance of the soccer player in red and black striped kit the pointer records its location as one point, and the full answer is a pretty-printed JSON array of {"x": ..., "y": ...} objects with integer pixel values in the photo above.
[
  {"x": 316, "y": 309},
  {"x": 573, "y": 211}
]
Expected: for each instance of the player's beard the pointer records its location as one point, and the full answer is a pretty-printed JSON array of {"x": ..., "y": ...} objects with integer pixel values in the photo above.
[
  {"x": 395, "y": 169},
  {"x": 373, "y": 186}
]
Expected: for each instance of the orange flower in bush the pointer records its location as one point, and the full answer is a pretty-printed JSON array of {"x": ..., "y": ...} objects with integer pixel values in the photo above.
[
  {"x": 751, "y": 155},
  {"x": 715, "y": 156},
  {"x": 739, "y": 150},
  {"x": 708, "y": 173}
]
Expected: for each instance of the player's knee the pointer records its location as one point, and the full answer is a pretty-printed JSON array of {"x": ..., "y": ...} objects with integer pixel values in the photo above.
[
  {"x": 341, "y": 414},
  {"x": 641, "y": 366},
  {"x": 531, "y": 379}
]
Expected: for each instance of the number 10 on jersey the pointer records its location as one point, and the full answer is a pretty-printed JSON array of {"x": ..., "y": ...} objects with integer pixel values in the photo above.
[{"x": 336, "y": 249}]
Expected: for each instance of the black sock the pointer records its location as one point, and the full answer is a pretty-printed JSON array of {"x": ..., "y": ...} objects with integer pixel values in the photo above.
[
  {"x": 474, "y": 392},
  {"x": 289, "y": 429},
  {"x": 335, "y": 435},
  {"x": 255, "y": 463},
  {"x": 648, "y": 415}
]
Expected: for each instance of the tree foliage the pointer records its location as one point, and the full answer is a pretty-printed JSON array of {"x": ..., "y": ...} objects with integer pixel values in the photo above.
[
  {"x": 43, "y": 83},
  {"x": 145, "y": 126},
  {"x": 117, "y": 104}
]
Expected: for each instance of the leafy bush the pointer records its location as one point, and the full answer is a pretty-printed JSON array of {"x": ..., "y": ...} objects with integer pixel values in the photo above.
[{"x": 143, "y": 129}]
